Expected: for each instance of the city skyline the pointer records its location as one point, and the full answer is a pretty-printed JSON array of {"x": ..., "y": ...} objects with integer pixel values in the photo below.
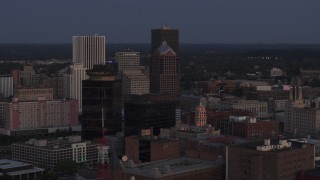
[{"x": 130, "y": 21}]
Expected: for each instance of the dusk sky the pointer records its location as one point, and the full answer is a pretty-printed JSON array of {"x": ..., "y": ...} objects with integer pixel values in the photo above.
[{"x": 130, "y": 21}]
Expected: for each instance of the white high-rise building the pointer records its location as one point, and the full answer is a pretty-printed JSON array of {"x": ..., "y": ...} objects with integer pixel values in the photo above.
[
  {"x": 6, "y": 85},
  {"x": 127, "y": 60},
  {"x": 88, "y": 50},
  {"x": 73, "y": 83}
]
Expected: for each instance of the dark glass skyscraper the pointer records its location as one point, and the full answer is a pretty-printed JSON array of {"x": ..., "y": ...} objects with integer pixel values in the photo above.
[
  {"x": 171, "y": 36},
  {"x": 165, "y": 71},
  {"x": 149, "y": 110},
  {"x": 102, "y": 92}
]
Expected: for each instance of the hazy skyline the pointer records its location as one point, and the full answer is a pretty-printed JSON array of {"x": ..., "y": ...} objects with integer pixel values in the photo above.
[{"x": 130, "y": 21}]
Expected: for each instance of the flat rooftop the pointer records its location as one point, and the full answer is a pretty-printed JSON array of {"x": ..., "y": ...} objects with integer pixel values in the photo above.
[
  {"x": 9, "y": 164},
  {"x": 253, "y": 145},
  {"x": 171, "y": 167},
  {"x": 26, "y": 171},
  {"x": 305, "y": 140}
]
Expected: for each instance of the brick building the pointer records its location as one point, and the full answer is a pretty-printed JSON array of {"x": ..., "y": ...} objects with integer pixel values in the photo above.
[
  {"x": 214, "y": 117},
  {"x": 149, "y": 148},
  {"x": 269, "y": 160},
  {"x": 210, "y": 147},
  {"x": 41, "y": 116},
  {"x": 248, "y": 128},
  {"x": 216, "y": 85}
]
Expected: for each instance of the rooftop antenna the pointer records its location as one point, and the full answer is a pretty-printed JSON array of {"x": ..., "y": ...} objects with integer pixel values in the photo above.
[{"x": 103, "y": 149}]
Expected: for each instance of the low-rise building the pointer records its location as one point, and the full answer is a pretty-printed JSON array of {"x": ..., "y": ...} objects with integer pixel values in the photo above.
[
  {"x": 19, "y": 170},
  {"x": 41, "y": 117},
  {"x": 150, "y": 148},
  {"x": 248, "y": 127},
  {"x": 46, "y": 153},
  {"x": 259, "y": 108},
  {"x": 210, "y": 147},
  {"x": 269, "y": 160},
  {"x": 173, "y": 169}
]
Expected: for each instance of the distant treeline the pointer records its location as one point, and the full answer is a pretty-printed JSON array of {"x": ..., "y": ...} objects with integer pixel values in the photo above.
[{"x": 30, "y": 52}]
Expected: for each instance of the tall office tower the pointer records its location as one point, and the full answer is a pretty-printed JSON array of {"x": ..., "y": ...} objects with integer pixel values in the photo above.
[
  {"x": 165, "y": 70},
  {"x": 88, "y": 50},
  {"x": 73, "y": 83},
  {"x": 101, "y": 100},
  {"x": 6, "y": 85},
  {"x": 127, "y": 60},
  {"x": 165, "y": 33}
]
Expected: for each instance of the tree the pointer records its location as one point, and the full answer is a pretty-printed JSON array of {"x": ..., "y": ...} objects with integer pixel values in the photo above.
[
  {"x": 66, "y": 166},
  {"x": 46, "y": 176},
  {"x": 5, "y": 177}
]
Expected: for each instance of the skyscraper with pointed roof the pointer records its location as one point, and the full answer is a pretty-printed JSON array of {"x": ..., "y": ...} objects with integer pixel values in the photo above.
[
  {"x": 165, "y": 70},
  {"x": 165, "y": 33}
]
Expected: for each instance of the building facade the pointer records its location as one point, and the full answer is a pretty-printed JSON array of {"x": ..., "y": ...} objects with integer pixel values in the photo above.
[
  {"x": 127, "y": 60},
  {"x": 165, "y": 71},
  {"x": 269, "y": 160},
  {"x": 250, "y": 128},
  {"x": 6, "y": 85},
  {"x": 301, "y": 118},
  {"x": 259, "y": 108},
  {"x": 32, "y": 94},
  {"x": 147, "y": 111},
  {"x": 135, "y": 81},
  {"x": 73, "y": 83},
  {"x": 88, "y": 50},
  {"x": 46, "y": 153},
  {"x": 200, "y": 115},
  {"x": 19, "y": 117},
  {"x": 149, "y": 148},
  {"x": 101, "y": 103}
]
